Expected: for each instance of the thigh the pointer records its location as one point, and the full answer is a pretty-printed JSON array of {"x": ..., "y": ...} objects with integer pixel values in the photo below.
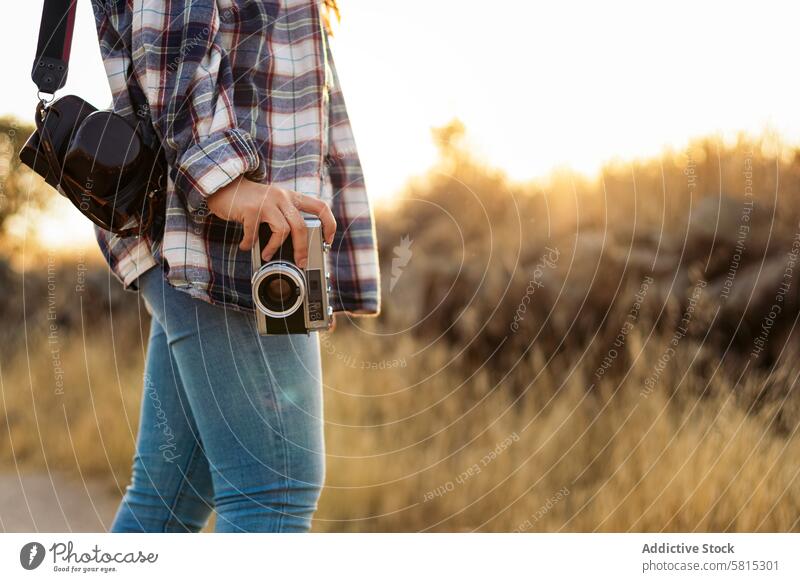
[
  {"x": 170, "y": 486},
  {"x": 257, "y": 402}
]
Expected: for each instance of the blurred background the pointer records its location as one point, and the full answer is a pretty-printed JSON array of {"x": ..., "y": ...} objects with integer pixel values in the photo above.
[{"x": 589, "y": 226}]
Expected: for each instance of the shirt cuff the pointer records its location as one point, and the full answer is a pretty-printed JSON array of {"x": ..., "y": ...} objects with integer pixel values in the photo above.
[{"x": 215, "y": 162}]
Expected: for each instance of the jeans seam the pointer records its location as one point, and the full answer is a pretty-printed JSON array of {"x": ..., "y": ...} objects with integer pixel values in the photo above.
[
  {"x": 185, "y": 480},
  {"x": 281, "y": 431}
]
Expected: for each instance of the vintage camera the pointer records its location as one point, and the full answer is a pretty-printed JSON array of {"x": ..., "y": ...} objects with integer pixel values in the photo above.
[{"x": 289, "y": 299}]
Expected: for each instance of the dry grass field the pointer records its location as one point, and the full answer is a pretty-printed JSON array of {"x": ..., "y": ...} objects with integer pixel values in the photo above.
[{"x": 570, "y": 355}]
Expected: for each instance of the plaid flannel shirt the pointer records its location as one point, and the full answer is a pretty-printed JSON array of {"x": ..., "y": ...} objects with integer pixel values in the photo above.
[{"x": 231, "y": 88}]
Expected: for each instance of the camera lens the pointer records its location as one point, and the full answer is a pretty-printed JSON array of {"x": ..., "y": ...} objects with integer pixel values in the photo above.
[
  {"x": 278, "y": 289},
  {"x": 278, "y": 292}
]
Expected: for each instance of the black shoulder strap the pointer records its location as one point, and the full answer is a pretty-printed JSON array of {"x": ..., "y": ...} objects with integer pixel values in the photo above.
[{"x": 51, "y": 64}]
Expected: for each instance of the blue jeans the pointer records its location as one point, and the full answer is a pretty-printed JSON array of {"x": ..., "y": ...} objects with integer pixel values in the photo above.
[{"x": 230, "y": 421}]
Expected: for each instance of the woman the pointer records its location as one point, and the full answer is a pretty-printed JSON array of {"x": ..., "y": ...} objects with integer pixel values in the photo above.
[{"x": 244, "y": 98}]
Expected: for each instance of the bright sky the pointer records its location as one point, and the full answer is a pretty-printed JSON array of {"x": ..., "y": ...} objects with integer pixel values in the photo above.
[{"x": 538, "y": 84}]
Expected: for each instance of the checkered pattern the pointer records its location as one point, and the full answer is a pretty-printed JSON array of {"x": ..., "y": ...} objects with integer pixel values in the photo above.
[{"x": 231, "y": 88}]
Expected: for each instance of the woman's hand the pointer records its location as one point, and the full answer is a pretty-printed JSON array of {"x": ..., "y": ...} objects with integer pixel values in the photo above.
[{"x": 251, "y": 203}]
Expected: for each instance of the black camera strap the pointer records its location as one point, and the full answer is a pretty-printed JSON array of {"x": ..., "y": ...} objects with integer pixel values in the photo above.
[{"x": 51, "y": 64}]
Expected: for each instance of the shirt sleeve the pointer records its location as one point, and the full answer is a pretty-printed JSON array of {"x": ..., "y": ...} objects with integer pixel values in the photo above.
[{"x": 183, "y": 69}]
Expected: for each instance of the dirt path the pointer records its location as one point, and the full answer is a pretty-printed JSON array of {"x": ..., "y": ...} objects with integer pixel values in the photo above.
[{"x": 41, "y": 502}]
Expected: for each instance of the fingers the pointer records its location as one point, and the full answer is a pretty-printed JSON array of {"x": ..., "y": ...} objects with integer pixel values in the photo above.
[
  {"x": 250, "y": 225},
  {"x": 282, "y": 212},
  {"x": 280, "y": 231},
  {"x": 320, "y": 209},
  {"x": 299, "y": 232}
]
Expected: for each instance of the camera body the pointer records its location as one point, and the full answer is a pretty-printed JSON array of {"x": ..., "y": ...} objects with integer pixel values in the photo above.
[{"x": 289, "y": 299}]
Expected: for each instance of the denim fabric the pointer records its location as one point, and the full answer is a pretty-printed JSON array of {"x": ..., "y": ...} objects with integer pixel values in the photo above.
[{"x": 230, "y": 421}]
